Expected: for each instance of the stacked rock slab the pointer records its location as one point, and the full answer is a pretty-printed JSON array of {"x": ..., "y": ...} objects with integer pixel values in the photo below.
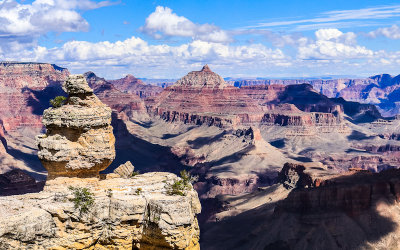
[{"x": 79, "y": 141}]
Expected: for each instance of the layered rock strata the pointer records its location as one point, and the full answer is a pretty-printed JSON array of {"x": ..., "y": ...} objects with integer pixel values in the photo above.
[
  {"x": 131, "y": 213},
  {"x": 381, "y": 90},
  {"x": 122, "y": 103},
  {"x": 79, "y": 140},
  {"x": 20, "y": 92},
  {"x": 203, "y": 97}
]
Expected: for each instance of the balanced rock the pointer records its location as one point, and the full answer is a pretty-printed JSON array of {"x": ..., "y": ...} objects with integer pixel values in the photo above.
[{"x": 79, "y": 141}]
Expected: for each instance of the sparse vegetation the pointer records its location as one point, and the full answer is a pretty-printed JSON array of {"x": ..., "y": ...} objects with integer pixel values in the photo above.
[
  {"x": 134, "y": 173},
  {"x": 109, "y": 193},
  {"x": 138, "y": 191},
  {"x": 83, "y": 199},
  {"x": 58, "y": 101},
  {"x": 180, "y": 187}
]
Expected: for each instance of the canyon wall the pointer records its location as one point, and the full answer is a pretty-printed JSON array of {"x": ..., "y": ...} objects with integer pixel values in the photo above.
[{"x": 25, "y": 91}]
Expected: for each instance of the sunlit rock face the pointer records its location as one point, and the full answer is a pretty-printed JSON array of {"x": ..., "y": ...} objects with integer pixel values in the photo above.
[
  {"x": 79, "y": 141},
  {"x": 127, "y": 213},
  {"x": 203, "y": 97}
]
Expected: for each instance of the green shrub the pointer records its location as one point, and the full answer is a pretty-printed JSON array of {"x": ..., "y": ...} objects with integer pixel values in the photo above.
[
  {"x": 83, "y": 199},
  {"x": 138, "y": 191},
  {"x": 134, "y": 173},
  {"x": 180, "y": 187},
  {"x": 58, "y": 101}
]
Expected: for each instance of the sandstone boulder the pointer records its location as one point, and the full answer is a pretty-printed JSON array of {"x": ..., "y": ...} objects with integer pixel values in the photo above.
[
  {"x": 125, "y": 170},
  {"x": 79, "y": 141}
]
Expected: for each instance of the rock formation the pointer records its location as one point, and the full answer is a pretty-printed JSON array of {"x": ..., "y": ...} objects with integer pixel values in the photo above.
[
  {"x": 118, "y": 101},
  {"x": 381, "y": 90},
  {"x": 132, "y": 212},
  {"x": 79, "y": 139},
  {"x": 126, "y": 214},
  {"x": 202, "y": 97}
]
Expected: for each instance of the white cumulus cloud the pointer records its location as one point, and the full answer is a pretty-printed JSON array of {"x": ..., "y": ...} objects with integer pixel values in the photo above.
[
  {"x": 164, "y": 23},
  {"x": 392, "y": 32},
  {"x": 135, "y": 53},
  {"x": 22, "y": 24},
  {"x": 333, "y": 44}
]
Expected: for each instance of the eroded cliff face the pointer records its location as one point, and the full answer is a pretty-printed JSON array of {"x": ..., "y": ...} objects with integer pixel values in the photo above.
[
  {"x": 123, "y": 104},
  {"x": 202, "y": 97},
  {"x": 21, "y": 84},
  {"x": 356, "y": 210},
  {"x": 126, "y": 213},
  {"x": 79, "y": 141},
  {"x": 381, "y": 90}
]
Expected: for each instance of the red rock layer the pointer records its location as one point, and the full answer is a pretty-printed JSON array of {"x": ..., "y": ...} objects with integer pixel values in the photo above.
[
  {"x": 203, "y": 97},
  {"x": 117, "y": 100},
  {"x": 21, "y": 84}
]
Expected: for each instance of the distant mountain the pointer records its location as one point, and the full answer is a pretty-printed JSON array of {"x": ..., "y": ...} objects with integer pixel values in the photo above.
[{"x": 131, "y": 84}]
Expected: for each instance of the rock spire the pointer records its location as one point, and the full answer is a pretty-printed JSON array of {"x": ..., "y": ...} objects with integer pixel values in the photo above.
[{"x": 79, "y": 141}]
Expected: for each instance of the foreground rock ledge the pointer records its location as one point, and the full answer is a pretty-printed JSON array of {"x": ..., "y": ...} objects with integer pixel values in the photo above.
[{"x": 127, "y": 213}]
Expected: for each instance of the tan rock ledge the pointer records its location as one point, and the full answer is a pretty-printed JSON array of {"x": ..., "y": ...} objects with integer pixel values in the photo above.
[{"x": 126, "y": 213}]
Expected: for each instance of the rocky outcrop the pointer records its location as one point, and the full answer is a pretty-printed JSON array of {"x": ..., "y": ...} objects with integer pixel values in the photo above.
[
  {"x": 133, "y": 85},
  {"x": 125, "y": 170},
  {"x": 358, "y": 210},
  {"x": 79, "y": 139},
  {"x": 125, "y": 214}
]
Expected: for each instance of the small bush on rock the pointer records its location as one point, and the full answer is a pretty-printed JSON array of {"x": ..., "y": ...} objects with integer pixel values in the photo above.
[
  {"x": 58, "y": 101},
  {"x": 134, "y": 173},
  {"x": 180, "y": 187},
  {"x": 83, "y": 199},
  {"x": 138, "y": 191}
]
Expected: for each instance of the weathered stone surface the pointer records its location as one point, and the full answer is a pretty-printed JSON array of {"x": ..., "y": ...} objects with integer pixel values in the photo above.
[
  {"x": 379, "y": 89},
  {"x": 79, "y": 139},
  {"x": 126, "y": 213}
]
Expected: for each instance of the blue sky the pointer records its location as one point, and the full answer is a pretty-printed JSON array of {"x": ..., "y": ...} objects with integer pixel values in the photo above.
[{"x": 166, "y": 39}]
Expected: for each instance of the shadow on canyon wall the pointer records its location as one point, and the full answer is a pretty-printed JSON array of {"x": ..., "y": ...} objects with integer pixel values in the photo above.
[
  {"x": 348, "y": 212},
  {"x": 145, "y": 156},
  {"x": 39, "y": 100}
]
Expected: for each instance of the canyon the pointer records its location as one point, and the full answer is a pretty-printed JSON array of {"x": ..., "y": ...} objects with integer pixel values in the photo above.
[
  {"x": 237, "y": 140},
  {"x": 381, "y": 90}
]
